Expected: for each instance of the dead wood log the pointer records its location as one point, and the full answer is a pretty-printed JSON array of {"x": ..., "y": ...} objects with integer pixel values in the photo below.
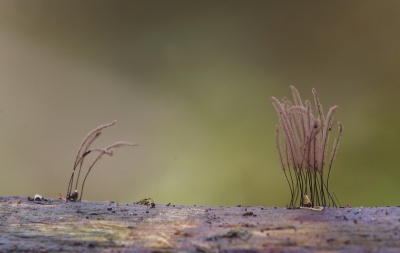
[{"x": 59, "y": 226}]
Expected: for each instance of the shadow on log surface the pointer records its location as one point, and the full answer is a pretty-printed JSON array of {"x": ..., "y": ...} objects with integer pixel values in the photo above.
[{"x": 59, "y": 226}]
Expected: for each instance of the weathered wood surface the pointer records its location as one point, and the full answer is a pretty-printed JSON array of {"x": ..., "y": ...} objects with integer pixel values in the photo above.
[{"x": 57, "y": 226}]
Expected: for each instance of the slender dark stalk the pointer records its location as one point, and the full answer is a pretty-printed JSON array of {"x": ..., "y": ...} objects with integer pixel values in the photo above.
[
  {"x": 315, "y": 195},
  {"x": 84, "y": 180},
  {"x": 77, "y": 178},
  {"x": 303, "y": 186},
  {"x": 321, "y": 188},
  {"x": 70, "y": 185},
  {"x": 290, "y": 187},
  {"x": 334, "y": 195},
  {"x": 295, "y": 189}
]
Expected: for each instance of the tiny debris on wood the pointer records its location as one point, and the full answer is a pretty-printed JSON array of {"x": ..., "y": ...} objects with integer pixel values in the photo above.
[
  {"x": 248, "y": 214},
  {"x": 236, "y": 232},
  {"x": 147, "y": 201}
]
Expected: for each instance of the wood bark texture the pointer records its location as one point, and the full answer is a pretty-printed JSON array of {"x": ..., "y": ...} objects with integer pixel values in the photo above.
[{"x": 59, "y": 226}]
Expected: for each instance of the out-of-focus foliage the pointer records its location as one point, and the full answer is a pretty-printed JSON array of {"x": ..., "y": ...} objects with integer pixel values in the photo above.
[{"x": 191, "y": 81}]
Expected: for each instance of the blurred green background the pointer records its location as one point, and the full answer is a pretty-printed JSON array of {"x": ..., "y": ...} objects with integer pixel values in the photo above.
[{"x": 191, "y": 81}]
